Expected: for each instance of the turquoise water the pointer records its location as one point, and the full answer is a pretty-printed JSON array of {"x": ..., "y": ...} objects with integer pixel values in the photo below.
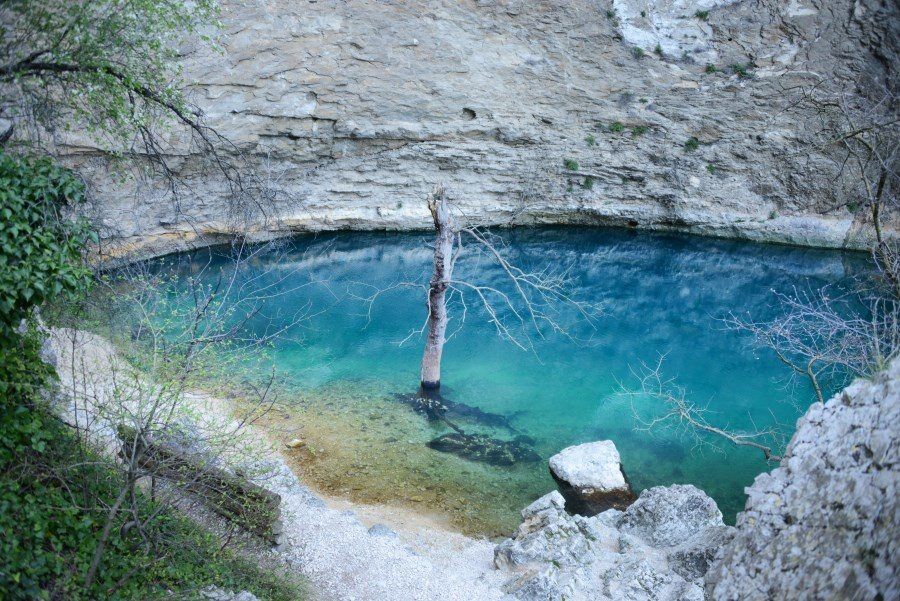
[{"x": 663, "y": 294}]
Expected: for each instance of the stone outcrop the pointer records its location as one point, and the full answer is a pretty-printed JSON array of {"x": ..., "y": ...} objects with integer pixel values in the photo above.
[
  {"x": 348, "y": 112},
  {"x": 823, "y": 525},
  {"x": 590, "y": 477},
  {"x": 659, "y": 548},
  {"x": 826, "y": 524}
]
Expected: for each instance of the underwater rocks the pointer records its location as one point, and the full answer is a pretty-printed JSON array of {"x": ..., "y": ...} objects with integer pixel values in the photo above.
[
  {"x": 590, "y": 478},
  {"x": 478, "y": 447},
  {"x": 659, "y": 548}
]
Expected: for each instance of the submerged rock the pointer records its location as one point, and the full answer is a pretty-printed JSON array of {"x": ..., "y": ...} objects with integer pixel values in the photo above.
[
  {"x": 590, "y": 478},
  {"x": 478, "y": 447},
  {"x": 659, "y": 548}
]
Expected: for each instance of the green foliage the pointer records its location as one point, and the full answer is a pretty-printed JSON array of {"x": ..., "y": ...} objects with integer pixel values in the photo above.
[
  {"x": 40, "y": 248},
  {"x": 739, "y": 70},
  {"x": 111, "y": 64},
  {"x": 639, "y": 130},
  {"x": 616, "y": 127},
  {"x": 587, "y": 183},
  {"x": 852, "y": 206},
  {"x": 610, "y": 14},
  {"x": 638, "y": 52},
  {"x": 703, "y": 15},
  {"x": 53, "y": 491},
  {"x": 711, "y": 169},
  {"x": 773, "y": 214},
  {"x": 692, "y": 144},
  {"x": 658, "y": 50},
  {"x": 570, "y": 164},
  {"x": 47, "y": 539},
  {"x": 710, "y": 68},
  {"x": 643, "y": 100},
  {"x": 590, "y": 140}
]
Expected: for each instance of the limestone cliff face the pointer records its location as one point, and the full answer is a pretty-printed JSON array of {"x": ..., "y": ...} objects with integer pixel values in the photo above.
[
  {"x": 825, "y": 524},
  {"x": 351, "y": 110}
]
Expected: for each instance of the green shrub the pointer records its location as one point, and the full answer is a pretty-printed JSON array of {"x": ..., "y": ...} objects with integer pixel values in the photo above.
[
  {"x": 658, "y": 50},
  {"x": 692, "y": 144},
  {"x": 590, "y": 139},
  {"x": 703, "y": 15},
  {"x": 639, "y": 130},
  {"x": 739, "y": 70},
  {"x": 570, "y": 164},
  {"x": 40, "y": 247},
  {"x": 638, "y": 52},
  {"x": 710, "y": 68},
  {"x": 587, "y": 183},
  {"x": 711, "y": 169},
  {"x": 616, "y": 127}
]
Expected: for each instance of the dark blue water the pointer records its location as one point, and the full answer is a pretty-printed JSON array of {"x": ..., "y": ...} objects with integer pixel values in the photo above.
[{"x": 663, "y": 295}]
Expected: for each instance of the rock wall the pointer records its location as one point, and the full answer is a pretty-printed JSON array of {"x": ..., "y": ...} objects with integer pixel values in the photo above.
[
  {"x": 826, "y": 524},
  {"x": 823, "y": 525},
  {"x": 349, "y": 111},
  {"x": 659, "y": 548}
]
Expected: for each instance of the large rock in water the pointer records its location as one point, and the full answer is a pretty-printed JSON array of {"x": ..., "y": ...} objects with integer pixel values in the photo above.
[
  {"x": 824, "y": 525},
  {"x": 659, "y": 548},
  {"x": 590, "y": 477}
]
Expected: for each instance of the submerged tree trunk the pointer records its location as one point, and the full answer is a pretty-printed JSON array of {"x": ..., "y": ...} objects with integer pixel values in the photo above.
[{"x": 437, "y": 290}]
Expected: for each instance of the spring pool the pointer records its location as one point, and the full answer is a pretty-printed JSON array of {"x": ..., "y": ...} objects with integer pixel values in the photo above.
[{"x": 342, "y": 369}]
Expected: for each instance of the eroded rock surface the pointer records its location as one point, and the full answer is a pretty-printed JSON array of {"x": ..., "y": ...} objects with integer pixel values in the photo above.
[
  {"x": 590, "y": 477},
  {"x": 826, "y": 524},
  {"x": 659, "y": 548},
  {"x": 350, "y": 111}
]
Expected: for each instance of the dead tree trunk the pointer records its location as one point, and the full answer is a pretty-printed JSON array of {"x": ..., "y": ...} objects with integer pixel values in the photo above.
[{"x": 437, "y": 290}]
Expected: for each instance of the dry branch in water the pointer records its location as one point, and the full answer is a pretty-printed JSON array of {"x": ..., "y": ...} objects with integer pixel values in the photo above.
[{"x": 690, "y": 419}]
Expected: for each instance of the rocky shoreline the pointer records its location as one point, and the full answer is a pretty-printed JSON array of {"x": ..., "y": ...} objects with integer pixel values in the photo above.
[{"x": 669, "y": 544}]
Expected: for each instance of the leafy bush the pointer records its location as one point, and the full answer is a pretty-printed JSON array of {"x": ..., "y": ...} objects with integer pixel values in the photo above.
[
  {"x": 692, "y": 144},
  {"x": 710, "y": 68},
  {"x": 590, "y": 140},
  {"x": 47, "y": 537},
  {"x": 739, "y": 70},
  {"x": 587, "y": 183},
  {"x": 703, "y": 15},
  {"x": 658, "y": 50},
  {"x": 638, "y": 52},
  {"x": 639, "y": 130},
  {"x": 711, "y": 169},
  {"x": 570, "y": 164},
  {"x": 54, "y": 490},
  {"x": 40, "y": 247},
  {"x": 616, "y": 126}
]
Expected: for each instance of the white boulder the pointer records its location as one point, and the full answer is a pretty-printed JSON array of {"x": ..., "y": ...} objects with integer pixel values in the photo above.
[{"x": 590, "y": 477}]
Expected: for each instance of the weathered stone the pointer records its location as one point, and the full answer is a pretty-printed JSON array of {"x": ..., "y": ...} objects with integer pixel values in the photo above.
[
  {"x": 349, "y": 113},
  {"x": 590, "y": 477},
  {"x": 618, "y": 555},
  {"x": 382, "y": 530},
  {"x": 826, "y": 523}
]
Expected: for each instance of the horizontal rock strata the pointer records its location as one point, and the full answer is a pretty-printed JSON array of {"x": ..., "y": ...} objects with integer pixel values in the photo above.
[{"x": 346, "y": 113}]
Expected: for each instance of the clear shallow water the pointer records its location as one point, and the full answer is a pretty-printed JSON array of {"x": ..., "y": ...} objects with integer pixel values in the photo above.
[{"x": 663, "y": 295}]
